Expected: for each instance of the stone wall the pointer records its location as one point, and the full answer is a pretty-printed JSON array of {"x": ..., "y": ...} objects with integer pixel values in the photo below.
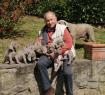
[
  {"x": 88, "y": 78},
  {"x": 17, "y": 79}
]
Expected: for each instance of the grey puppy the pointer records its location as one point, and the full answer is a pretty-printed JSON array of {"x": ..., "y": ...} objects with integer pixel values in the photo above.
[
  {"x": 30, "y": 53},
  {"x": 20, "y": 57},
  {"x": 39, "y": 48},
  {"x": 80, "y": 31},
  {"x": 10, "y": 53},
  {"x": 27, "y": 54}
]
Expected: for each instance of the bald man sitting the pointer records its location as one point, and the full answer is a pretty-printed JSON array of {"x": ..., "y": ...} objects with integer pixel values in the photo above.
[{"x": 52, "y": 32}]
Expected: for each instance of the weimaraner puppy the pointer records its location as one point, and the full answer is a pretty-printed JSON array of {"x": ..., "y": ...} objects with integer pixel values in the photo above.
[{"x": 10, "y": 53}]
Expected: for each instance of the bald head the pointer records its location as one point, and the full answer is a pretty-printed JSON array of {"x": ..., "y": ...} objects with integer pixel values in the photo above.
[
  {"x": 50, "y": 19},
  {"x": 49, "y": 13}
]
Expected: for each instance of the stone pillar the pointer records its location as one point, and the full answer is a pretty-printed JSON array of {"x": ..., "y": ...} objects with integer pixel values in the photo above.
[{"x": 94, "y": 51}]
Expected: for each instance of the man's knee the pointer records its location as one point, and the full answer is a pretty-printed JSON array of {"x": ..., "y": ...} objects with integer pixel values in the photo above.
[
  {"x": 40, "y": 63},
  {"x": 43, "y": 61},
  {"x": 67, "y": 73}
]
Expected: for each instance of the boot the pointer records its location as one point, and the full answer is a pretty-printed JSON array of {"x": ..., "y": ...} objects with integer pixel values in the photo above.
[{"x": 50, "y": 91}]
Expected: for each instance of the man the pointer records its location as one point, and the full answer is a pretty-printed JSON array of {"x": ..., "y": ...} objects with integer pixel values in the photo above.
[{"x": 51, "y": 33}]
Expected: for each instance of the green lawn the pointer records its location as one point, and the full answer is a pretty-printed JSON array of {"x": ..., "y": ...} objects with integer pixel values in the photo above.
[{"x": 27, "y": 30}]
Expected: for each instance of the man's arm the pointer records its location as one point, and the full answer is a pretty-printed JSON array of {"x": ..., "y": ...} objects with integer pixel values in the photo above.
[{"x": 67, "y": 41}]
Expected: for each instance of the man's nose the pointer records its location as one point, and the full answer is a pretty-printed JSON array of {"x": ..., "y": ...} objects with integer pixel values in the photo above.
[{"x": 50, "y": 21}]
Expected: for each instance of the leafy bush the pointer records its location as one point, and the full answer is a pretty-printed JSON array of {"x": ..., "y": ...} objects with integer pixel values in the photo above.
[
  {"x": 89, "y": 11},
  {"x": 6, "y": 26},
  {"x": 10, "y": 12}
]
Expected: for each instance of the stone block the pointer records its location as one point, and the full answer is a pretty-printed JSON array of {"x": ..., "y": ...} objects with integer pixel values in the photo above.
[
  {"x": 7, "y": 78},
  {"x": 94, "y": 51}
]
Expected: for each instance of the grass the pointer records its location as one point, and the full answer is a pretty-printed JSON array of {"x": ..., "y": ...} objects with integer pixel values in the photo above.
[
  {"x": 27, "y": 29},
  {"x": 100, "y": 35}
]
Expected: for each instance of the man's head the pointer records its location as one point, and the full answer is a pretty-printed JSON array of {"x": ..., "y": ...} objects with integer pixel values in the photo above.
[{"x": 50, "y": 19}]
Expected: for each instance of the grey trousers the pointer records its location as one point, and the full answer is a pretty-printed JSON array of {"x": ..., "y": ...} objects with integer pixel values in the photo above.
[{"x": 42, "y": 76}]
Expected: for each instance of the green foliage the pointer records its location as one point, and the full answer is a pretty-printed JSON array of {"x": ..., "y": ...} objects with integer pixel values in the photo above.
[
  {"x": 89, "y": 11},
  {"x": 10, "y": 12},
  {"x": 6, "y": 25},
  {"x": 27, "y": 30},
  {"x": 43, "y": 6}
]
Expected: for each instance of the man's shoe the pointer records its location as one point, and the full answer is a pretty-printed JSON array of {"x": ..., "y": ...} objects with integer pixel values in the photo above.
[{"x": 50, "y": 91}]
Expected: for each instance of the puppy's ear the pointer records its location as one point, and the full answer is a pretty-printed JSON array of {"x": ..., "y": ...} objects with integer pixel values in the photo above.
[{"x": 13, "y": 45}]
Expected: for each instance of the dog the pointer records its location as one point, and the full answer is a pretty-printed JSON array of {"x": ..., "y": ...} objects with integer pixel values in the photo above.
[
  {"x": 30, "y": 53},
  {"x": 20, "y": 57},
  {"x": 39, "y": 48},
  {"x": 10, "y": 53},
  {"x": 78, "y": 31},
  {"x": 26, "y": 55}
]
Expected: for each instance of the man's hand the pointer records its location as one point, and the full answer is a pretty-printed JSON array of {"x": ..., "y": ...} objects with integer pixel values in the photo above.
[{"x": 51, "y": 55}]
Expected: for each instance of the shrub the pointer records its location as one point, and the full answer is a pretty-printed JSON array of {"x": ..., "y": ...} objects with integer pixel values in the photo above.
[
  {"x": 10, "y": 12},
  {"x": 6, "y": 25},
  {"x": 89, "y": 11}
]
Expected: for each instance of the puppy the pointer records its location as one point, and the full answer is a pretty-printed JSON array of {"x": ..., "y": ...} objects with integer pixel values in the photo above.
[
  {"x": 10, "y": 53},
  {"x": 26, "y": 55},
  {"x": 20, "y": 57},
  {"x": 30, "y": 53},
  {"x": 39, "y": 48}
]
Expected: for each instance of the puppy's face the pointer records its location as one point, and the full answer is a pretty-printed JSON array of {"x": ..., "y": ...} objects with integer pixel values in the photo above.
[{"x": 31, "y": 56}]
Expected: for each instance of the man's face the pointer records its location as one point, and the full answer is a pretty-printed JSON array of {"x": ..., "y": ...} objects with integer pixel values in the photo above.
[{"x": 50, "y": 20}]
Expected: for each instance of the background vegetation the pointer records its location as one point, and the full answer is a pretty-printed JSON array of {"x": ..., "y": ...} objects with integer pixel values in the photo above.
[
  {"x": 27, "y": 29},
  {"x": 24, "y": 28},
  {"x": 89, "y": 11}
]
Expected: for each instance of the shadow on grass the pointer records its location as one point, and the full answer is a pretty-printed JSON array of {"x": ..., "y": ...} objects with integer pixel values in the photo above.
[
  {"x": 14, "y": 34},
  {"x": 78, "y": 46}
]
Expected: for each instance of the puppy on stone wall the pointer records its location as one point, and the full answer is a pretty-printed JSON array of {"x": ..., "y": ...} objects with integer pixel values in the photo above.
[
  {"x": 20, "y": 57},
  {"x": 30, "y": 53},
  {"x": 27, "y": 54},
  {"x": 10, "y": 53},
  {"x": 78, "y": 31}
]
